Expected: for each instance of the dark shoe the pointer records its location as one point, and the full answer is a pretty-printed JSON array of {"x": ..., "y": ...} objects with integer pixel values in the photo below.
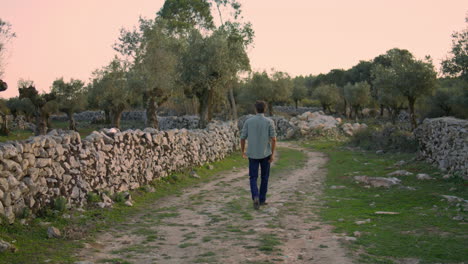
[
  {"x": 263, "y": 203},
  {"x": 256, "y": 204}
]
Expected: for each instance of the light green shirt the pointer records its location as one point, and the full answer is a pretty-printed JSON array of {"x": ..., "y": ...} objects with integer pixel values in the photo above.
[{"x": 258, "y": 130}]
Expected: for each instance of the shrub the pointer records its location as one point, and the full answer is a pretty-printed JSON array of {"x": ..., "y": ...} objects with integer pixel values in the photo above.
[
  {"x": 388, "y": 138},
  {"x": 60, "y": 204},
  {"x": 119, "y": 197},
  {"x": 93, "y": 197}
]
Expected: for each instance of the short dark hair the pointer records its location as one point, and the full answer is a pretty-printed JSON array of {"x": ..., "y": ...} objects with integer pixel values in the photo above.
[{"x": 260, "y": 106}]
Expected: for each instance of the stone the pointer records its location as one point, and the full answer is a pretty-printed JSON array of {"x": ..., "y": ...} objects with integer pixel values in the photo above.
[
  {"x": 9, "y": 214},
  {"x": 453, "y": 199},
  {"x": 194, "y": 174},
  {"x": 361, "y": 222},
  {"x": 423, "y": 176},
  {"x": 41, "y": 163},
  {"x": 400, "y": 173},
  {"x": 348, "y": 238},
  {"x": 128, "y": 203},
  {"x": 377, "y": 181},
  {"x": 5, "y": 246},
  {"x": 333, "y": 187},
  {"x": 357, "y": 234},
  {"x": 53, "y": 232},
  {"x": 210, "y": 167},
  {"x": 386, "y": 213}
]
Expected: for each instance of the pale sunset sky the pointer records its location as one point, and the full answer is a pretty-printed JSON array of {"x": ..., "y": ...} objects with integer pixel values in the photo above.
[{"x": 70, "y": 39}]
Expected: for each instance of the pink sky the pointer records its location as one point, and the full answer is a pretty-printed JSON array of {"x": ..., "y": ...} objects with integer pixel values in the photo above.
[{"x": 72, "y": 38}]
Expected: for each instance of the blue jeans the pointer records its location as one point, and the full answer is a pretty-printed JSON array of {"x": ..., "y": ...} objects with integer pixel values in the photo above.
[{"x": 265, "y": 174}]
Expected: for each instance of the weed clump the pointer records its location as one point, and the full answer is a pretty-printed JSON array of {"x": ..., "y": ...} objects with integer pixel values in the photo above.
[{"x": 60, "y": 204}]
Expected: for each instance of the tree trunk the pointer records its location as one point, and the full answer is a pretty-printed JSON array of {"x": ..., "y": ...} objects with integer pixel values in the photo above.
[
  {"x": 41, "y": 124},
  {"x": 116, "y": 116},
  {"x": 107, "y": 116},
  {"x": 4, "y": 131},
  {"x": 72, "y": 123},
  {"x": 411, "y": 102},
  {"x": 232, "y": 101},
  {"x": 324, "y": 106},
  {"x": 151, "y": 114},
  {"x": 270, "y": 108},
  {"x": 296, "y": 102},
  {"x": 356, "y": 110},
  {"x": 345, "y": 108},
  {"x": 205, "y": 105},
  {"x": 381, "y": 110}
]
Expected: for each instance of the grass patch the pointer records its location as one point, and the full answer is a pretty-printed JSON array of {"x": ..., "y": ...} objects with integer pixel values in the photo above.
[
  {"x": 34, "y": 246},
  {"x": 186, "y": 245},
  {"x": 268, "y": 243},
  {"x": 424, "y": 229}
]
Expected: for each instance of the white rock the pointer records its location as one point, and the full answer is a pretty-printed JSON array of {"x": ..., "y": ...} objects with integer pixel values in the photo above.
[{"x": 423, "y": 176}]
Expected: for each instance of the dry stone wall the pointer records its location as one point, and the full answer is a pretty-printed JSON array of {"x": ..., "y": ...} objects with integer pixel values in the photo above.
[
  {"x": 35, "y": 171},
  {"x": 444, "y": 143}
]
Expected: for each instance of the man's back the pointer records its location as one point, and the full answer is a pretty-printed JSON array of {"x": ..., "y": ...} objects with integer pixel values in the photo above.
[{"x": 258, "y": 130}]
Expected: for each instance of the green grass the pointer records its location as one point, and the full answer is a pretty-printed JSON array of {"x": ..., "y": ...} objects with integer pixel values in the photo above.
[
  {"x": 17, "y": 135},
  {"x": 34, "y": 246},
  {"x": 424, "y": 229},
  {"x": 268, "y": 243}
]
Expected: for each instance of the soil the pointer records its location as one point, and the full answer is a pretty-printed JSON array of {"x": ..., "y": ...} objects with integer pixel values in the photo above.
[{"x": 216, "y": 223}]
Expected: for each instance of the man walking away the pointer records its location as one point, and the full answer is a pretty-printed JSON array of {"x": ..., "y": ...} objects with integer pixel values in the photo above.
[{"x": 260, "y": 133}]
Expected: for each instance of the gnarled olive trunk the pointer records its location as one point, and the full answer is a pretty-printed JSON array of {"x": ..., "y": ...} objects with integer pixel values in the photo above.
[
  {"x": 41, "y": 124},
  {"x": 205, "y": 104},
  {"x": 270, "y": 108},
  {"x": 116, "y": 117},
  {"x": 151, "y": 113},
  {"x": 4, "y": 130},
  {"x": 232, "y": 101},
  {"x": 71, "y": 121}
]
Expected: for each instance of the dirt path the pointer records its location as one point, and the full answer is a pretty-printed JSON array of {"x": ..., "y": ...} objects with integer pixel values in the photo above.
[{"x": 215, "y": 223}]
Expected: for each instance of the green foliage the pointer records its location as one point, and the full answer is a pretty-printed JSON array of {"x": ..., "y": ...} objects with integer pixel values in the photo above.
[
  {"x": 112, "y": 89},
  {"x": 19, "y": 106},
  {"x": 328, "y": 95},
  {"x": 183, "y": 15},
  {"x": 274, "y": 89},
  {"x": 357, "y": 95},
  {"x": 388, "y": 138},
  {"x": 44, "y": 104},
  {"x": 93, "y": 197},
  {"x": 449, "y": 99},
  {"x": 456, "y": 64},
  {"x": 119, "y": 197},
  {"x": 404, "y": 77},
  {"x": 71, "y": 98},
  {"x": 60, "y": 204}
]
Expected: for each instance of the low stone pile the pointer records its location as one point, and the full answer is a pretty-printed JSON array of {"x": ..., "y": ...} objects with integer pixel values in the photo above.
[
  {"x": 444, "y": 143},
  {"x": 36, "y": 171},
  {"x": 291, "y": 110},
  {"x": 316, "y": 120},
  {"x": 350, "y": 129}
]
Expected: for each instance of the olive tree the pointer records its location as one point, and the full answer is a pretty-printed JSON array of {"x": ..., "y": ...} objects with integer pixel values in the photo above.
[
  {"x": 328, "y": 95},
  {"x": 113, "y": 87},
  {"x": 299, "y": 90},
  {"x": 44, "y": 105},
  {"x": 357, "y": 95},
  {"x": 71, "y": 98}
]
